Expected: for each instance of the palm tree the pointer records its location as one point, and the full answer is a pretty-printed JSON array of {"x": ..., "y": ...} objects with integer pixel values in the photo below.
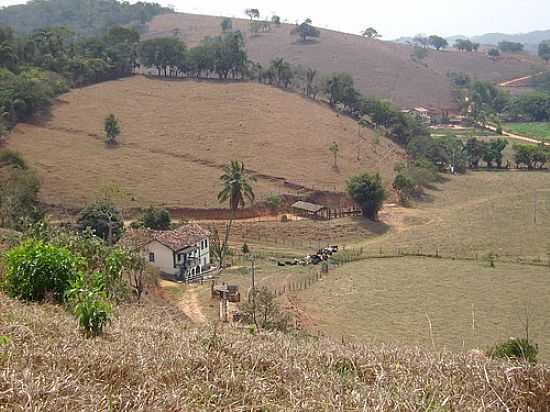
[{"x": 237, "y": 189}]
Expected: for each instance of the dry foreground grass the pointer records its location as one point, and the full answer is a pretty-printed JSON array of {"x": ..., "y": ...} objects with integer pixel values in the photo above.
[
  {"x": 152, "y": 360},
  {"x": 380, "y": 68},
  {"x": 177, "y": 135}
]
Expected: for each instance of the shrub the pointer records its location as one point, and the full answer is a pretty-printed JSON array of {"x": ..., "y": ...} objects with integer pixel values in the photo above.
[
  {"x": 104, "y": 219},
  {"x": 274, "y": 202},
  {"x": 157, "y": 218},
  {"x": 12, "y": 158},
  {"x": 89, "y": 304},
  {"x": 518, "y": 349},
  {"x": 35, "y": 269},
  {"x": 266, "y": 311},
  {"x": 245, "y": 249}
]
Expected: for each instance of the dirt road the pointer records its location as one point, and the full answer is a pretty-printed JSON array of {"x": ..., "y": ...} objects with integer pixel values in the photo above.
[
  {"x": 517, "y": 136},
  {"x": 186, "y": 299},
  {"x": 511, "y": 83}
]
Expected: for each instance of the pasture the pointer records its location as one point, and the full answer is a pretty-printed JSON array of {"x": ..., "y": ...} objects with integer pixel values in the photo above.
[
  {"x": 468, "y": 304},
  {"x": 506, "y": 213},
  {"x": 537, "y": 130},
  {"x": 177, "y": 135},
  {"x": 393, "y": 300}
]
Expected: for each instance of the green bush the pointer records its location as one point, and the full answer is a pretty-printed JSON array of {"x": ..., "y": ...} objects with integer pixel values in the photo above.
[
  {"x": 89, "y": 304},
  {"x": 274, "y": 202},
  {"x": 12, "y": 158},
  {"x": 104, "y": 219},
  {"x": 157, "y": 218},
  {"x": 518, "y": 349},
  {"x": 35, "y": 269}
]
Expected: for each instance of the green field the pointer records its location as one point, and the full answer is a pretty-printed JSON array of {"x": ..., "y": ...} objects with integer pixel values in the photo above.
[
  {"x": 465, "y": 132},
  {"x": 469, "y": 304},
  {"x": 540, "y": 130}
]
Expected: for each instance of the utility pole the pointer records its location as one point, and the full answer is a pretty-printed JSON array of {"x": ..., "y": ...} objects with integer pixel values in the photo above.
[{"x": 254, "y": 289}]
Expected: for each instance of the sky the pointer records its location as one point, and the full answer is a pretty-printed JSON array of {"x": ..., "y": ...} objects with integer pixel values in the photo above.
[{"x": 392, "y": 18}]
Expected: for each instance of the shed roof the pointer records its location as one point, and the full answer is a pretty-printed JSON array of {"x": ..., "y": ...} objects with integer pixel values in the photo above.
[
  {"x": 308, "y": 207},
  {"x": 176, "y": 240}
]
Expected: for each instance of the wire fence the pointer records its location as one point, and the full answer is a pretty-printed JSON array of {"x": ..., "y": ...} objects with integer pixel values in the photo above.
[{"x": 346, "y": 256}]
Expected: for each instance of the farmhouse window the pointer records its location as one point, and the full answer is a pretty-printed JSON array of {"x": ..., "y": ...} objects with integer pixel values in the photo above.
[{"x": 151, "y": 257}]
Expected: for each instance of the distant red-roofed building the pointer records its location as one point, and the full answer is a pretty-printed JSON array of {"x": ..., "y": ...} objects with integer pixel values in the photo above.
[{"x": 183, "y": 252}]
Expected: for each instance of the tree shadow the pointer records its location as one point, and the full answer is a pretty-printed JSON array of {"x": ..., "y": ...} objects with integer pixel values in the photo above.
[
  {"x": 41, "y": 118},
  {"x": 377, "y": 228},
  {"x": 307, "y": 42}
]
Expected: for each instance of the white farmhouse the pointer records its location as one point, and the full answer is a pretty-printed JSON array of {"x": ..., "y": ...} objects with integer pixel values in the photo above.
[{"x": 183, "y": 252}]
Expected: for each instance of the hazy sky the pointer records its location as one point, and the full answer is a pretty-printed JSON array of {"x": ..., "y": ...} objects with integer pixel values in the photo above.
[{"x": 392, "y": 18}]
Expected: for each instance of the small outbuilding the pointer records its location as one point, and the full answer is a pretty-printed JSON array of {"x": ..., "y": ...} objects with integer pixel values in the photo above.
[{"x": 311, "y": 210}]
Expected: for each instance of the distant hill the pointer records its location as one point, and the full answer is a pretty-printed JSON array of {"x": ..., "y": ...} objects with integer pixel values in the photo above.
[
  {"x": 531, "y": 40},
  {"x": 81, "y": 16},
  {"x": 380, "y": 68}
]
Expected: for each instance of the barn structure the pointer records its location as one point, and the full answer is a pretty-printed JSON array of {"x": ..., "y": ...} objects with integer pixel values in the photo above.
[{"x": 311, "y": 210}]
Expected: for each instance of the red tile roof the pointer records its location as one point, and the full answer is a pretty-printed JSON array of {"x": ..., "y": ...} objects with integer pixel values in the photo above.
[{"x": 184, "y": 236}]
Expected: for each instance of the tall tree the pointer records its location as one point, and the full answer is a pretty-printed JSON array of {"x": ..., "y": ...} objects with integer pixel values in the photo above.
[
  {"x": 544, "y": 50},
  {"x": 438, "y": 42},
  {"x": 367, "y": 192},
  {"x": 305, "y": 30},
  {"x": 237, "y": 190},
  {"x": 252, "y": 13},
  {"x": 510, "y": 47},
  {"x": 421, "y": 40},
  {"x": 339, "y": 88},
  {"x": 371, "y": 33},
  {"x": 310, "y": 76},
  {"x": 227, "y": 25}
]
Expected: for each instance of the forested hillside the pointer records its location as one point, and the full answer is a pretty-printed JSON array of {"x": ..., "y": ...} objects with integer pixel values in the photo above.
[{"x": 81, "y": 16}]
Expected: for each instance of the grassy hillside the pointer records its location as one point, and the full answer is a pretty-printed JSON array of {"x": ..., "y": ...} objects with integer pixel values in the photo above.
[
  {"x": 383, "y": 69},
  {"x": 469, "y": 304},
  {"x": 176, "y": 136},
  {"x": 152, "y": 360},
  {"x": 506, "y": 213}
]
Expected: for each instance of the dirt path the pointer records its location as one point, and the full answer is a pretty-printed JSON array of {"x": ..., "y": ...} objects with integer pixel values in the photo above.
[
  {"x": 187, "y": 301},
  {"x": 517, "y": 136},
  {"x": 511, "y": 83}
]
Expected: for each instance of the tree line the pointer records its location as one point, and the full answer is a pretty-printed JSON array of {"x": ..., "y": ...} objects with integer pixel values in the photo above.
[
  {"x": 223, "y": 56},
  {"x": 483, "y": 101},
  {"x": 36, "y": 67},
  {"x": 84, "y": 17}
]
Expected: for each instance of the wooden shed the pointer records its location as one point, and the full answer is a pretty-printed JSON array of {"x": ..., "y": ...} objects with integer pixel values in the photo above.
[{"x": 311, "y": 210}]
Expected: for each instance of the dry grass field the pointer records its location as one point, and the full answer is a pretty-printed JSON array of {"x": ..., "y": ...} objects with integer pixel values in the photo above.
[
  {"x": 151, "y": 359},
  {"x": 504, "y": 213},
  {"x": 380, "y": 68},
  {"x": 469, "y": 304},
  {"x": 177, "y": 135}
]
